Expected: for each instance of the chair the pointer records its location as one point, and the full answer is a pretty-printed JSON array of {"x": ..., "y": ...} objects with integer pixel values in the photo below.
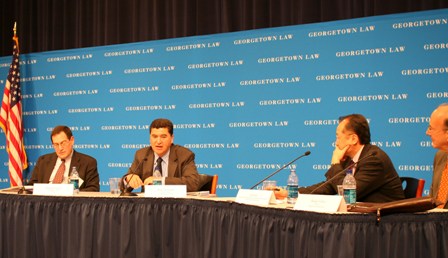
[
  {"x": 413, "y": 187},
  {"x": 208, "y": 183}
]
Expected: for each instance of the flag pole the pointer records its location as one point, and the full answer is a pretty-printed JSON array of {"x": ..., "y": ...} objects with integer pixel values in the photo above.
[
  {"x": 11, "y": 119},
  {"x": 15, "y": 38}
]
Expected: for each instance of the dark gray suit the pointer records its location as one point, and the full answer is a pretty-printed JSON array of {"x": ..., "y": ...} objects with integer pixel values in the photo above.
[
  {"x": 86, "y": 165},
  {"x": 440, "y": 160},
  {"x": 376, "y": 178},
  {"x": 181, "y": 166}
]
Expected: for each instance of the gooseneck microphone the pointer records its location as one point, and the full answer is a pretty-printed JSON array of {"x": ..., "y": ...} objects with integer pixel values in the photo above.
[
  {"x": 344, "y": 171},
  {"x": 127, "y": 191},
  {"x": 280, "y": 169},
  {"x": 23, "y": 189}
]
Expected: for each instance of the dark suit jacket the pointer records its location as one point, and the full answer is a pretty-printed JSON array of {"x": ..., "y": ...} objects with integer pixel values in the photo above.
[
  {"x": 181, "y": 166},
  {"x": 440, "y": 160},
  {"x": 86, "y": 165},
  {"x": 376, "y": 178}
]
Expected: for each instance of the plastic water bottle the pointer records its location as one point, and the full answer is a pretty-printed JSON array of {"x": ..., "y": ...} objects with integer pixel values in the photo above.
[
  {"x": 157, "y": 174},
  {"x": 158, "y": 179},
  {"x": 292, "y": 187},
  {"x": 74, "y": 179},
  {"x": 349, "y": 185}
]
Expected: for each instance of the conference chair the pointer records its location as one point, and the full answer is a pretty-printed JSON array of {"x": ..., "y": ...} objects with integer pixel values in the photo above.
[
  {"x": 413, "y": 187},
  {"x": 208, "y": 183}
]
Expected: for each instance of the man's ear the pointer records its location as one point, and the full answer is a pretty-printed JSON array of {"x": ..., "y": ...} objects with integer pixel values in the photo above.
[{"x": 354, "y": 139}]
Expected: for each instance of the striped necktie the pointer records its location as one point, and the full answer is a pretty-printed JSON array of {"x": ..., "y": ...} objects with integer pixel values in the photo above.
[
  {"x": 59, "y": 177},
  {"x": 443, "y": 187},
  {"x": 158, "y": 169}
]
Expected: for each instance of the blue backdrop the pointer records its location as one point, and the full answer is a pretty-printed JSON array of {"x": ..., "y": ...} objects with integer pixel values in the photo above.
[{"x": 248, "y": 102}]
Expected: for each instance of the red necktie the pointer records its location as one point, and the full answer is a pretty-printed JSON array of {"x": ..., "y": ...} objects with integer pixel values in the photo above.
[
  {"x": 443, "y": 187},
  {"x": 59, "y": 177}
]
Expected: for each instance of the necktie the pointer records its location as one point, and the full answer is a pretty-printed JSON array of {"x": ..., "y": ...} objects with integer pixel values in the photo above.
[
  {"x": 158, "y": 169},
  {"x": 352, "y": 166},
  {"x": 59, "y": 177},
  {"x": 443, "y": 187}
]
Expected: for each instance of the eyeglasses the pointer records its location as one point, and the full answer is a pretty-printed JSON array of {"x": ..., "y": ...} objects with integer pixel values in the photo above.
[
  {"x": 432, "y": 129},
  {"x": 62, "y": 144}
]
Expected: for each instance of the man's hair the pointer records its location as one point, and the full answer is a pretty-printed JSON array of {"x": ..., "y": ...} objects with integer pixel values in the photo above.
[
  {"x": 359, "y": 125},
  {"x": 162, "y": 123},
  {"x": 61, "y": 128}
]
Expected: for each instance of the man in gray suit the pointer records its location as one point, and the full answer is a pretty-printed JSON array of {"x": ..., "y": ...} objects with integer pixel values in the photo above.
[
  {"x": 438, "y": 131},
  {"x": 64, "y": 159},
  {"x": 176, "y": 163}
]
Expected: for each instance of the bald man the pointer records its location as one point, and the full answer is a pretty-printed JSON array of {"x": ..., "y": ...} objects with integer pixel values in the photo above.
[{"x": 438, "y": 131}]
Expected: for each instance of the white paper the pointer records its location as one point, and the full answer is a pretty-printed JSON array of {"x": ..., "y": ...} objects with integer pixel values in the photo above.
[
  {"x": 255, "y": 197},
  {"x": 320, "y": 203},
  {"x": 173, "y": 191},
  {"x": 53, "y": 189}
]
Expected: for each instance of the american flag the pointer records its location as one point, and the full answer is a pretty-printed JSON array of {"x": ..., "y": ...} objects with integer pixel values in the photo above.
[{"x": 11, "y": 120}]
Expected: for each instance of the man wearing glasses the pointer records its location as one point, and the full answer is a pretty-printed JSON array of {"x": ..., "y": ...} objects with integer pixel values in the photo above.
[
  {"x": 438, "y": 131},
  {"x": 54, "y": 168}
]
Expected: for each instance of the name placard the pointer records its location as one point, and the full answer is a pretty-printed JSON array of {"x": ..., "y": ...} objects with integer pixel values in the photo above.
[
  {"x": 255, "y": 197},
  {"x": 53, "y": 189},
  {"x": 320, "y": 203},
  {"x": 160, "y": 191}
]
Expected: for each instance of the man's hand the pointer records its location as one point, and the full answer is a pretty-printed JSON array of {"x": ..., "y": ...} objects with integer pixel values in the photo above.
[
  {"x": 339, "y": 154},
  {"x": 134, "y": 181},
  {"x": 148, "y": 181}
]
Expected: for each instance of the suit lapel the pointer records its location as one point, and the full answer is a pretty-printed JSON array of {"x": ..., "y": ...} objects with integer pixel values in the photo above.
[
  {"x": 49, "y": 168},
  {"x": 74, "y": 162},
  {"x": 172, "y": 165},
  {"x": 147, "y": 169},
  {"x": 364, "y": 152}
]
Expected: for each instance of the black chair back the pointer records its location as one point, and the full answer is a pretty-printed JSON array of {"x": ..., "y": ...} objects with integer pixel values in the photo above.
[
  {"x": 208, "y": 183},
  {"x": 413, "y": 187}
]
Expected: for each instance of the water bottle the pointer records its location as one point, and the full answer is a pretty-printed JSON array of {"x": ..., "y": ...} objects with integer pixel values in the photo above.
[
  {"x": 157, "y": 173},
  {"x": 74, "y": 179},
  {"x": 292, "y": 187},
  {"x": 158, "y": 179},
  {"x": 349, "y": 185}
]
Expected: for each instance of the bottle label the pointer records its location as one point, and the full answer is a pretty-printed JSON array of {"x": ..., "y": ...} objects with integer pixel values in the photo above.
[
  {"x": 75, "y": 182},
  {"x": 293, "y": 191},
  {"x": 350, "y": 196}
]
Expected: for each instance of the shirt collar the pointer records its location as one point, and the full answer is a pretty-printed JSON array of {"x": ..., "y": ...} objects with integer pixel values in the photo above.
[
  {"x": 356, "y": 157},
  {"x": 164, "y": 157},
  {"x": 68, "y": 159}
]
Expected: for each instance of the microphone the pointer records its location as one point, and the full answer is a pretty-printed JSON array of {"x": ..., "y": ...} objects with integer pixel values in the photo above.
[
  {"x": 280, "y": 169},
  {"x": 128, "y": 190},
  {"x": 25, "y": 182},
  {"x": 344, "y": 170}
]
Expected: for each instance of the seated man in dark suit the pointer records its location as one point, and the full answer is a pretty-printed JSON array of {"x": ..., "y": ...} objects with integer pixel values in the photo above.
[
  {"x": 438, "y": 131},
  {"x": 375, "y": 175},
  {"x": 176, "y": 163},
  {"x": 55, "y": 167}
]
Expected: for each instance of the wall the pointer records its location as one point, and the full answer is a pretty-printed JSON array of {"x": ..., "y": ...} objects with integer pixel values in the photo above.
[{"x": 246, "y": 103}]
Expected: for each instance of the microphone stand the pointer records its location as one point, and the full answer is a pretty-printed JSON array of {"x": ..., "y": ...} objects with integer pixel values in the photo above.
[
  {"x": 278, "y": 170},
  {"x": 23, "y": 190},
  {"x": 125, "y": 190}
]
